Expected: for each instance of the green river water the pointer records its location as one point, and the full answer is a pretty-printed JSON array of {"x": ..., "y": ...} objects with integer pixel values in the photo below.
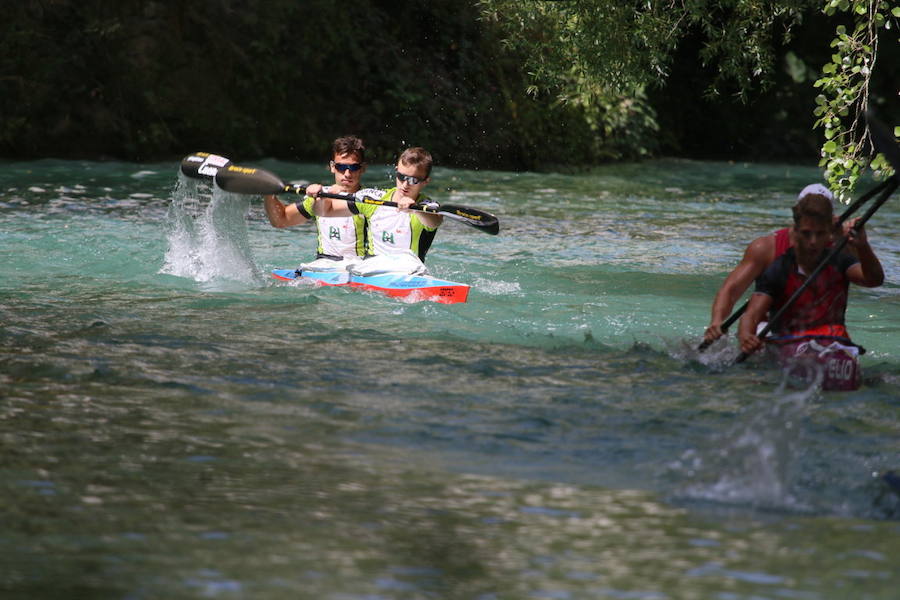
[{"x": 174, "y": 423}]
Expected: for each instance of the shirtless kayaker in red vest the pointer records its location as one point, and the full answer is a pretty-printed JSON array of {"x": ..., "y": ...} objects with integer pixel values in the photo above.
[
  {"x": 824, "y": 301},
  {"x": 760, "y": 253}
]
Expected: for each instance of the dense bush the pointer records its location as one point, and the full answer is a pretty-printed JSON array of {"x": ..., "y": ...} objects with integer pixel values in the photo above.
[{"x": 144, "y": 80}]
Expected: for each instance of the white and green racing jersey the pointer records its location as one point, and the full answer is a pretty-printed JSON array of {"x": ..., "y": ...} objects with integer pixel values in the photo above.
[
  {"x": 390, "y": 231},
  {"x": 338, "y": 237}
]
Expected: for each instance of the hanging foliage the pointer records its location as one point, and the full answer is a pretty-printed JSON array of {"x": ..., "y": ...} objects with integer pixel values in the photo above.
[
  {"x": 845, "y": 85},
  {"x": 592, "y": 52}
]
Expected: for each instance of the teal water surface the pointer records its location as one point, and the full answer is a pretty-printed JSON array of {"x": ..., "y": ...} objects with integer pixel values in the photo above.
[{"x": 177, "y": 424}]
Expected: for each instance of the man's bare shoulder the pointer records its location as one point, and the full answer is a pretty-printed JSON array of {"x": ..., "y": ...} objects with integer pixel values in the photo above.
[{"x": 761, "y": 250}]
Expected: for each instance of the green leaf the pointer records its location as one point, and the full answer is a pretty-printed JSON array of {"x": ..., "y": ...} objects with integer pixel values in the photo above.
[{"x": 830, "y": 147}]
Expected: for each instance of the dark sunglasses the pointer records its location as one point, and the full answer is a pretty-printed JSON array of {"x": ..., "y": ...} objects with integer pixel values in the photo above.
[
  {"x": 341, "y": 167},
  {"x": 412, "y": 179}
]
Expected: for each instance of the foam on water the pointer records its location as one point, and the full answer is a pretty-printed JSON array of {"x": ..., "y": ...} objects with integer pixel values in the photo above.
[{"x": 752, "y": 463}]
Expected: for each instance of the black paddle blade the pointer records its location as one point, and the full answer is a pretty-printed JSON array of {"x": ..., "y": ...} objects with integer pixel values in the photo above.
[
  {"x": 203, "y": 165},
  {"x": 484, "y": 221},
  {"x": 247, "y": 180},
  {"x": 884, "y": 141}
]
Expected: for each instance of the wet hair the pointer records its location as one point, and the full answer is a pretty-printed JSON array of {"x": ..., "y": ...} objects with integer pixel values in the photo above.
[
  {"x": 349, "y": 144},
  {"x": 417, "y": 157},
  {"x": 813, "y": 206}
]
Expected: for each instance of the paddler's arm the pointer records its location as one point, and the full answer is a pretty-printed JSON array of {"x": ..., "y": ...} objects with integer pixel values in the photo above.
[
  {"x": 327, "y": 207},
  {"x": 756, "y": 311},
  {"x": 281, "y": 215},
  {"x": 429, "y": 220},
  {"x": 868, "y": 271},
  {"x": 756, "y": 258}
]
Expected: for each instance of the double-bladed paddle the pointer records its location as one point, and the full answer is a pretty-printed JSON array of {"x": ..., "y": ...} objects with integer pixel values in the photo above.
[
  {"x": 255, "y": 181},
  {"x": 884, "y": 143}
]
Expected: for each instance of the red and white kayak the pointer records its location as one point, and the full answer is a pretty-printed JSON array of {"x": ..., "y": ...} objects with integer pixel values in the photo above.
[{"x": 809, "y": 355}]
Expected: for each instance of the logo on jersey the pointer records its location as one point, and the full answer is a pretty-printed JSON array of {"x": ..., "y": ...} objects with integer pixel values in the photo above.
[
  {"x": 387, "y": 237},
  {"x": 334, "y": 233}
]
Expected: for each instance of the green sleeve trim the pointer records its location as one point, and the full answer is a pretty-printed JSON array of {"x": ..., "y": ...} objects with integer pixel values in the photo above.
[
  {"x": 367, "y": 210},
  {"x": 305, "y": 207},
  {"x": 359, "y": 223}
]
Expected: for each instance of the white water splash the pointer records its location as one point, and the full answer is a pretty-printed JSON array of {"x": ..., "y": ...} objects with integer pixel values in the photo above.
[
  {"x": 719, "y": 356},
  {"x": 207, "y": 237},
  {"x": 752, "y": 463}
]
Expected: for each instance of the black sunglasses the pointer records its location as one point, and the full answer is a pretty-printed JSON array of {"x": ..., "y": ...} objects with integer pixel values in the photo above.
[
  {"x": 341, "y": 167},
  {"x": 412, "y": 179}
]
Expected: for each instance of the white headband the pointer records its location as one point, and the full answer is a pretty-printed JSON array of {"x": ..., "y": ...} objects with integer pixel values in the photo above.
[{"x": 816, "y": 188}]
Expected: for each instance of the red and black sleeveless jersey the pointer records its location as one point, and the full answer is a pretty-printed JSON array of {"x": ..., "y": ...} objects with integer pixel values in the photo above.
[
  {"x": 782, "y": 241},
  {"x": 823, "y": 302}
]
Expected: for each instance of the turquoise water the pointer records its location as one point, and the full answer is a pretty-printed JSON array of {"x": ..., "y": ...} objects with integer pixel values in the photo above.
[{"x": 176, "y": 424}]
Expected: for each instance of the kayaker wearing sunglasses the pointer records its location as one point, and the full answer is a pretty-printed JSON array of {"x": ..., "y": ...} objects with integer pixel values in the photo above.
[
  {"x": 394, "y": 232},
  {"x": 339, "y": 238}
]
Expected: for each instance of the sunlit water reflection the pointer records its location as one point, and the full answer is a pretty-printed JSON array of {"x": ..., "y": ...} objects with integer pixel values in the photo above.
[{"x": 176, "y": 424}]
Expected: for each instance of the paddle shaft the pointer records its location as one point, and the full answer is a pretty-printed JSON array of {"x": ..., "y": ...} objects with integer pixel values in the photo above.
[
  {"x": 470, "y": 216},
  {"x": 846, "y": 215},
  {"x": 250, "y": 180},
  {"x": 894, "y": 182},
  {"x": 300, "y": 190}
]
